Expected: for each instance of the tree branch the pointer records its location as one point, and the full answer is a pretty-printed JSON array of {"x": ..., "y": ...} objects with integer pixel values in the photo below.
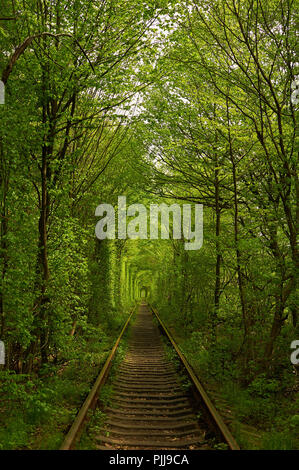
[{"x": 21, "y": 49}]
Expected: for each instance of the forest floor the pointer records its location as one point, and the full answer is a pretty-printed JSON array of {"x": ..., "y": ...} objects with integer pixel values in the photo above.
[
  {"x": 258, "y": 422},
  {"x": 38, "y": 409}
]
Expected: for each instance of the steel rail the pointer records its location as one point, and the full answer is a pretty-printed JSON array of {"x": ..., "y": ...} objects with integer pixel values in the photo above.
[
  {"x": 91, "y": 398},
  {"x": 213, "y": 413}
]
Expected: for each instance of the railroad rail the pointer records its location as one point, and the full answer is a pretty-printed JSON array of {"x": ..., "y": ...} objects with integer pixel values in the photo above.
[
  {"x": 91, "y": 399},
  {"x": 150, "y": 407},
  {"x": 200, "y": 394}
]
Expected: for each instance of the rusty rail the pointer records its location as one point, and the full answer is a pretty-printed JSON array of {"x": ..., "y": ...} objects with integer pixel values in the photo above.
[
  {"x": 213, "y": 413},
  {"x": 90, "y": 400}
]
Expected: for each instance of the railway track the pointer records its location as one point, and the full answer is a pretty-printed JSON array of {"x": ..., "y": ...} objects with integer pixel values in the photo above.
[{"x": 150, "y": 407}]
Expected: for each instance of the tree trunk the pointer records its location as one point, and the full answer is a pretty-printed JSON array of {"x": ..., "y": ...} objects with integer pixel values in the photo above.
[
  {"x": 217, "y": 291},
  {"x": 3, "y": 232}
]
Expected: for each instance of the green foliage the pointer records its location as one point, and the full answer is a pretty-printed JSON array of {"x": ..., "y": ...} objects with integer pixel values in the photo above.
[
  {"x": 37, "y": 410},
  {"x": 105, "y": 395},
  {"x": 280, "y": 441},
  {"x": 161, "y": 101},
  {"x": 263, "y": 387}
]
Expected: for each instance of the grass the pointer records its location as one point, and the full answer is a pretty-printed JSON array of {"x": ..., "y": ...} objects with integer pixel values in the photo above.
[
  {"x": 265, "y": 412},
  {"x": 37, "y": 410}
]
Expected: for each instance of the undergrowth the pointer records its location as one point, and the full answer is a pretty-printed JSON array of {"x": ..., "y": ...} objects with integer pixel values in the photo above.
[
  {"x": 267, "y": 403},
  {"x": 36, "y": 410}
]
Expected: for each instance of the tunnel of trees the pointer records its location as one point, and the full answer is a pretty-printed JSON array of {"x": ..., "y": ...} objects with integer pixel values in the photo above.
[{"x": 176, "y": 102}]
